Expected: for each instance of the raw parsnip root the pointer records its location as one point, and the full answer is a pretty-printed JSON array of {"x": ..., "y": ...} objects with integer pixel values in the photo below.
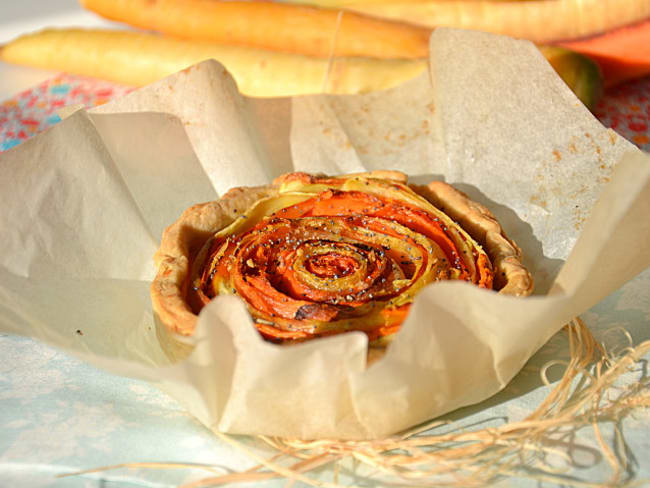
[
  {"x": 135, "y": 58},
  {"x": 269, "y": 25},
  {"x": 538, "y": 20}
]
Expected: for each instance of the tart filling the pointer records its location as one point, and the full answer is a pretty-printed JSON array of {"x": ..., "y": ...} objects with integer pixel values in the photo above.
[{"x": 316, "y": 255}]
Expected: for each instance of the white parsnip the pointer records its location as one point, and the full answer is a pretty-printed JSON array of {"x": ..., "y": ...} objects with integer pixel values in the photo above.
[
  {"x": 136, "y": 58},
  {"x": 537, "y": 20}
]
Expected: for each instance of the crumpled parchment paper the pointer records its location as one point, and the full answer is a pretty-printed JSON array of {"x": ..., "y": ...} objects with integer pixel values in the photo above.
[{"x": 84, "y": 205}]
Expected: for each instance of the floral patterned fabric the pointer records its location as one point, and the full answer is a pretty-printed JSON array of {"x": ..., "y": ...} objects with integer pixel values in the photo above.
[
  {"x": 34, "y": 110},
  {"x": 626, "y": 109}
]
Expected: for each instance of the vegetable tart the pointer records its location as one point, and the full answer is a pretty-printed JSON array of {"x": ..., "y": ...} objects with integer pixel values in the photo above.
[{"x": 314, "y": 255}]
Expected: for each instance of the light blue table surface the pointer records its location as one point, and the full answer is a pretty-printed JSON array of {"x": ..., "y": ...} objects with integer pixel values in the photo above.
[{"x": 58, "y": 415}]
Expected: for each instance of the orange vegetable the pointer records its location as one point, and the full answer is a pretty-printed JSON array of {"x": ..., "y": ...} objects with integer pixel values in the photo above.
[
  {"x": 269, "y": 25},
  {"x": 622, "y": 54}
]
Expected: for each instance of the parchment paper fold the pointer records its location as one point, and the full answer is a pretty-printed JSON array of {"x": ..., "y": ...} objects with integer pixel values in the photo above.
[{"x": 83, "y": 206}]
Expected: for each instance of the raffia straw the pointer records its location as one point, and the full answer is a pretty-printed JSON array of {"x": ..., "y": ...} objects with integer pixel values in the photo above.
[
  {"x": 153, "y": 465},
  {"x": 586, "y": 396}
]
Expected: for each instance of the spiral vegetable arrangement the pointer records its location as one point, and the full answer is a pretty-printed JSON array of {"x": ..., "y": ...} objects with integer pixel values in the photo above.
[{"x": 327, "y": 255}]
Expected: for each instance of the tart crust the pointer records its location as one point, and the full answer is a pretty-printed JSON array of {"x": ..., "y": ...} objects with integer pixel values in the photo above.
[{"x": 183, "y": 240}]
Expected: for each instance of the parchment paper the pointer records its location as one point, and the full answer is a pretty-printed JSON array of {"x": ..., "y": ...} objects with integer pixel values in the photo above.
[{"x": 84, "y": 205}]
